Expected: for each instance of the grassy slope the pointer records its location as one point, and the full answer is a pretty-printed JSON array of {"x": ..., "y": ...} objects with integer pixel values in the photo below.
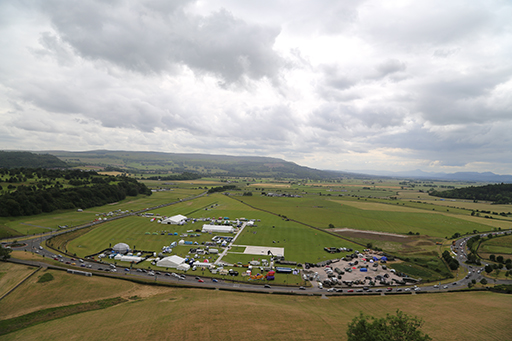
[{"x": 186, "y": 314}]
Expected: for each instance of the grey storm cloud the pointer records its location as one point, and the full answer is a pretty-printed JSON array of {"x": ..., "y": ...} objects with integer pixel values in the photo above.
[{"x": 149, "y": 37}]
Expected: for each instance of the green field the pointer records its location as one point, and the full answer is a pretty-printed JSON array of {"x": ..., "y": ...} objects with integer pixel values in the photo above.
[
  {"x": 50, "y": 221},
  {"x": 301, "y": 243},
  {"x": 319, "y": 212}
]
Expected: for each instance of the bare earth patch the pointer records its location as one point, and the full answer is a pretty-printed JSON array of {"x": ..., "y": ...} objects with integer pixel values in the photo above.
[{"x": 384, "y": 236}]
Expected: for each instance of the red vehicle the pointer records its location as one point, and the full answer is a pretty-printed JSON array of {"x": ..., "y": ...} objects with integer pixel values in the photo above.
[
  {"x": 200, "y": 280},
  {"x": 350, "y": 290}
]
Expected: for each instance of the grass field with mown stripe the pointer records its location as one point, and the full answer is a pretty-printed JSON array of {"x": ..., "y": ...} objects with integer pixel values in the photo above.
[{"x": 301, "y": 242}]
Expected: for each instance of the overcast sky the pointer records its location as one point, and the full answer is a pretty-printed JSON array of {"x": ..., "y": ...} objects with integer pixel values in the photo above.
[{"x": 341, "y": 85}]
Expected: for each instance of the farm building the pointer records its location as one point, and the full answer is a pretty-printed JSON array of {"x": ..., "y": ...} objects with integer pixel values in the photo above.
[
  {"x": 218, "y": 228},
  {"x": 175, "y": 220},
  {"x": 174, "y": 262},
  {"x": 121, "y": 248}
]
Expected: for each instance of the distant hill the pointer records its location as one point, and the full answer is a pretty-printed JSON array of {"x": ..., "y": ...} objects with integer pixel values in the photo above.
[
  {"x": 205, "y": 164},
  {"x": 459, "y": 176},
  {"x": 29, "y": 160}
]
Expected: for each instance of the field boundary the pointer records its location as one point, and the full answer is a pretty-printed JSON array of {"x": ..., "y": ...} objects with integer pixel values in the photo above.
[
  {"x": 299, "y": 222},
  {"x": 20, "y": 283}
]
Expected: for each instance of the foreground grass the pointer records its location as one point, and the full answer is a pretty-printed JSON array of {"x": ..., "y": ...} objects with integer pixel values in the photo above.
[
  {"x": 64, "y": 289},
  {"x": 185, "y": 314},
  {"x": 41, "y": 316}
]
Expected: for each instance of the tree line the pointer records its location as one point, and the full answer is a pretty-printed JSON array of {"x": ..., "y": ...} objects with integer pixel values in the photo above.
[
  {"x": 27, "y": 201},
  {"x": 498, "y": 193}
]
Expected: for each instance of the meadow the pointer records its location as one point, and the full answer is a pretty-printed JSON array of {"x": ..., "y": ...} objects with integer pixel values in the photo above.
[{"x": 162, "y": 313}]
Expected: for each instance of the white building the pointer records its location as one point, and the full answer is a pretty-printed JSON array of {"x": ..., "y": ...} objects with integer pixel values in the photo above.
[
  {"x": 218, "y": 228},
  {"x": 174, "y": 220}
]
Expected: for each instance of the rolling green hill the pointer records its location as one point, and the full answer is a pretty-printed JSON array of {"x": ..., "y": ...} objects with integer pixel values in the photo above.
[
  {"x": 29, "y": 160},
  {"x": 208, "y": 165}
]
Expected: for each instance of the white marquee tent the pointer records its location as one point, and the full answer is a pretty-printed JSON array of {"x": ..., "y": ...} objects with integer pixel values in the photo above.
[
  {"x": 174, "y": 220},
  {"x": 218, "y": 228},
  {"x": 175, "y": 262}
]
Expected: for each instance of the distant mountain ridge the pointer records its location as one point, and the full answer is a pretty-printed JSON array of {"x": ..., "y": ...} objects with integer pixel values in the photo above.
[
  {"x": 205, "y": 164},
  {"x": 458, "y": 176}
]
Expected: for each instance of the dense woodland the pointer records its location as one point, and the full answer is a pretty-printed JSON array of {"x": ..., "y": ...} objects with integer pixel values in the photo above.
[
  {"x": 31, "y": 160},
  {"x": 47, "y": 190},
  {"x": 498, "y": 194}
]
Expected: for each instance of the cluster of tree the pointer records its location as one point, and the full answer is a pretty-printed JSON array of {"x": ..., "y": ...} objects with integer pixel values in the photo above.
[
  {"x": 397, "y": 327},
  {"x": 182, "y": 176},
  {"x": 23, "y": 174},
  {"x": 500, "y": 259},
  {"x": 452, "y": 262},
  {"x": 27, "y": 159},
  {"x": 26, "y": 201},
  {"x": 222, "y": 188},
  {"x": 498, "y": 194}
]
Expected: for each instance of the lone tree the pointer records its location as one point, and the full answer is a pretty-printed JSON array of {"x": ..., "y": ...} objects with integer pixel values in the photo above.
[
  {"x": 399, "y": 327},
  {"x": 5, "y": 253}
]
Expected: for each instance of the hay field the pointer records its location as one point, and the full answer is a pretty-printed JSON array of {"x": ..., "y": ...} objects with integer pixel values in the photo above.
[
  {"x": 186, "y": 314},
  {"x": 65, "y": 289},
  {"x": 11, "y": 274}
]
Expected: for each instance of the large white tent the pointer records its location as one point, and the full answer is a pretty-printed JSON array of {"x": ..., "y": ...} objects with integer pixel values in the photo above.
[
  {"x": 218, "y": 228},
  {"x": 175, "y": 262},
  {"x": 130, "y": 259},
  {"x": 174, "y": 220}
]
